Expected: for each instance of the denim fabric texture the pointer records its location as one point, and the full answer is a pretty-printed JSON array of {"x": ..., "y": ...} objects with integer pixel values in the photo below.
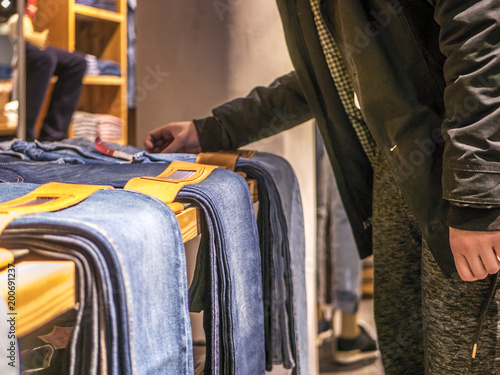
[
  {"x": 225, "y": 199},
  {"x": 6, "y": 149},
  {"x": 280, "y": 226},
  {"x": 140, "y": 308},
  {"x": 66, "y": 152},
  {"x": 338, "y": 262},
  {"x": 236, "y": 276},
  {"x": 288, "y": 249},
  {"x": 82, "y": 151}
]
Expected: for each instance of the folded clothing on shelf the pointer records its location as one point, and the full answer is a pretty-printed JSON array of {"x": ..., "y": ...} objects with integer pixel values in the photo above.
[
  {"x": 109, "y": 68},
  {"x": 5, "y": 72},
  {"x": 98, "y": 67},
  {"x": 8, "y": 110},
  {"x": 227, "y": 283},
  {"x": 92, "y": 65},
  {"x": 88, "y": 125},
  {"x": 101, "y": 4}
]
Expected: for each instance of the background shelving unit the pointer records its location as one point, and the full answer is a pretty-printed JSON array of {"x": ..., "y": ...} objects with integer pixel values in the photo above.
[{"x": 97, "y": 32}]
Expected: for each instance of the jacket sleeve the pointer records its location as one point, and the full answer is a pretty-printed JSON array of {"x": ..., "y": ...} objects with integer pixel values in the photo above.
[
  {"x": 470, "y": 41},
  {"x": 264, "y": 112}
]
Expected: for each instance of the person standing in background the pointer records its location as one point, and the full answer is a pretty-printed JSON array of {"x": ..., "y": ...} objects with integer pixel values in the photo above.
[
  {"x": 42, "y": 63},
  {"x": 339, "y": 271}
]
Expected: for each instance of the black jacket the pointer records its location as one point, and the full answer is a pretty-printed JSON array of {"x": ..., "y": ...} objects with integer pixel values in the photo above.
[{"x": 427, "y": 76}]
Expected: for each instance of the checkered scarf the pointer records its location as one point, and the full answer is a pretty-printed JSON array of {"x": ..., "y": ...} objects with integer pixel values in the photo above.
[{"x": 343, "y": 82}]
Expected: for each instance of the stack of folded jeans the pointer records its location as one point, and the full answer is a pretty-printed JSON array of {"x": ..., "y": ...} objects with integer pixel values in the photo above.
[
  {"x": 280, "y": 226},
  {"x": 101, "y": 4},
  {"x": 92, "y": 66},
  {"x": 227, "y": 283},
  {"x": 109, "y": 68},
  {"x": 126, "y": 313}
]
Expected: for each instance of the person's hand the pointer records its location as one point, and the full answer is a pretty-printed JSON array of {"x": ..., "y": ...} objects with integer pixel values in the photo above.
[
  {"x": 173, "y": 137},
  {"x": 476, "y": 254},
  {"x": 44, "y": 36},
  {"x": 40, "y": 39}
]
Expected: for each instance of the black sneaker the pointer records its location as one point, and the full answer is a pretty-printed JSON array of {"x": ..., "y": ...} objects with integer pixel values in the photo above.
[{"x": 360, "y": 348}]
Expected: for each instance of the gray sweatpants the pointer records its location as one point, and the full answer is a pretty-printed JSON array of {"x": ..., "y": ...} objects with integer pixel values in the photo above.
[{"x": 425, "y": 321}]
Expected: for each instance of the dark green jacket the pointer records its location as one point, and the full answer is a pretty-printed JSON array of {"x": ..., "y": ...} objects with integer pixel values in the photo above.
[{"x": 427, "y": 75}]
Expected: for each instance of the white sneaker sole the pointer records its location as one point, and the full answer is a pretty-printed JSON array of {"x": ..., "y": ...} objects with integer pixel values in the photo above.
[
  {"x": 352, "y": 356},
  {"x": 321, "y": 337}
]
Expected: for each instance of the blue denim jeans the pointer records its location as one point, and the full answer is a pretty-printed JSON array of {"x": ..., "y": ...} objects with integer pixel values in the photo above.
[
  {"x": 235, "y": 254},
  {"x": 67, "y": 152},
  {"x": 6, "y": 149},
  {"x": 81, "y": 151},
  {"x": 288, "y": 257},
  {"x": 282, "y": 250},
  {"x": 133, "y": 310},
  {"x": 235, "y": 276},
  {"x": 336, "y": 247}
]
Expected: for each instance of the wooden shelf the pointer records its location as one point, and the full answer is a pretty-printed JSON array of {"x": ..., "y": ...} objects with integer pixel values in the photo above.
[
  {"x": 91, "y": 13},
  {"x": 367, "y": 282},
  {"x": 97, "y": 32},
  {"x": 44, "y": 290},
  {"x": 189, "y": 221},
  {"x": 103, "y": 80},
  {"x": 6, "y": 130},
  {"x": 5, "y": 89}
]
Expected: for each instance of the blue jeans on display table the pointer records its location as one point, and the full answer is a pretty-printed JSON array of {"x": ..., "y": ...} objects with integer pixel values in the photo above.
[
  {"x": 226, "y": 202},
  {"x": 288, "y": 253},
  {"x": 133, "y": 310},
  {"x": 335, "y": 244},
  {"x": 81, "y": 151},
  {"x": 283, "y": 255},
  {"x": 236, "y": 328}
]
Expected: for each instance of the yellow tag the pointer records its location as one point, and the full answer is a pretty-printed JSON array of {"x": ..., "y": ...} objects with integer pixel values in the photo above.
[
  {"x": 166, "y": 185},
  {"x": 224, "y": 160},
  {"x": 50, "y": 197}
]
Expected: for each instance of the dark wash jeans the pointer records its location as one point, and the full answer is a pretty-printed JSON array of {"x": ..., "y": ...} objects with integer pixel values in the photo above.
[
  {"x": 132, "y": 310},
  {"x": 287, "y": 256}
]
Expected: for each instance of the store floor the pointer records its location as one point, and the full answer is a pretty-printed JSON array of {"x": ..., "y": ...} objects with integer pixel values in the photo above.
[
  {"x": 328, "y": 367},
  {"x": 370, "y": 367}
]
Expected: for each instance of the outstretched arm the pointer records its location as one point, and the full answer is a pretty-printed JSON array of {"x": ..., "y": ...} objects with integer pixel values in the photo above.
[{"x": 264, "y": 112}]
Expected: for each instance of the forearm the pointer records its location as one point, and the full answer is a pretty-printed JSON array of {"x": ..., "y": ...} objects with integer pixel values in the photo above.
[
  {"x": 264, "y": 112},
  {"x": 37, "y": 39}
]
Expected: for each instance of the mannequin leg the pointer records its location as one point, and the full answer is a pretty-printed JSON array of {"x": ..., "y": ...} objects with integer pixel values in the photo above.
[{"x": 40, "y": 67}]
